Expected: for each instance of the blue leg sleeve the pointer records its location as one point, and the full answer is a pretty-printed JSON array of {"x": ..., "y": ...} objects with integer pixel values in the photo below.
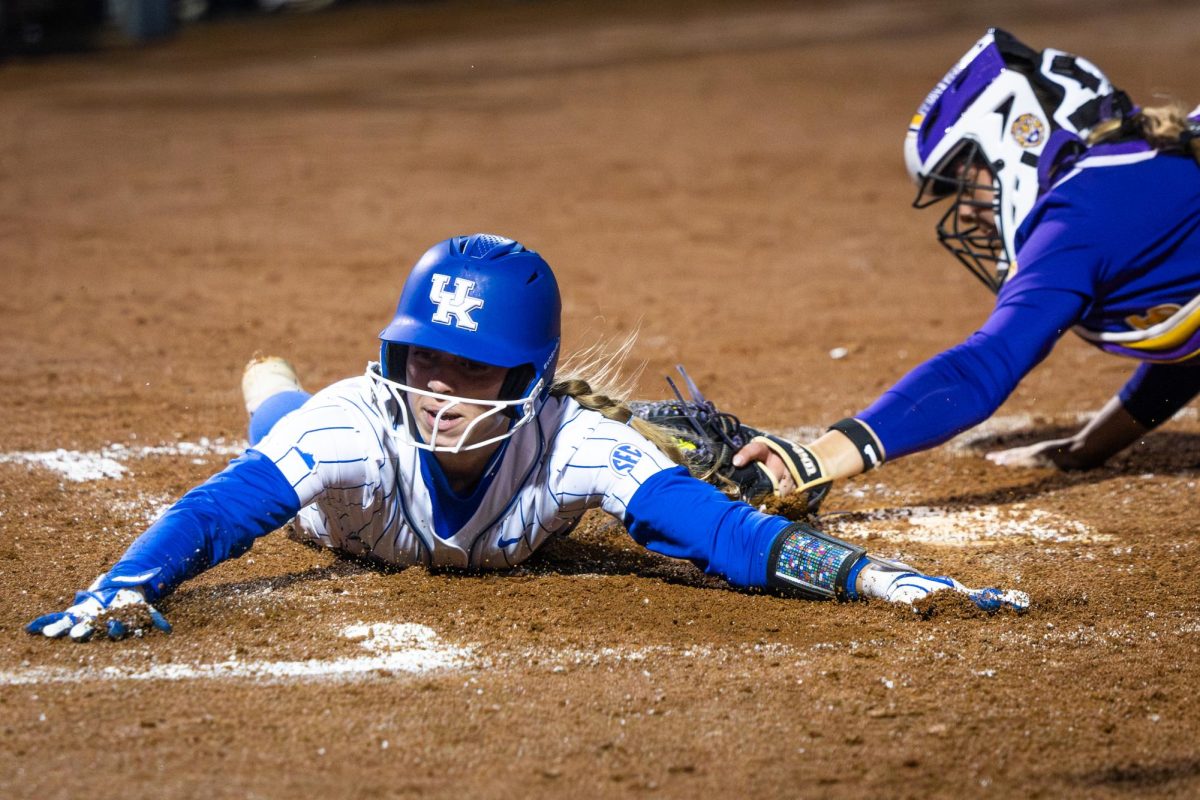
[
  {"x": 677, "y": 515},
  {"x": 273, "y": 409}
]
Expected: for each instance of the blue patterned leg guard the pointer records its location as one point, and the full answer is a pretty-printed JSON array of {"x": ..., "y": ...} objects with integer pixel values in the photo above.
[{"x": 813, "y": 563}]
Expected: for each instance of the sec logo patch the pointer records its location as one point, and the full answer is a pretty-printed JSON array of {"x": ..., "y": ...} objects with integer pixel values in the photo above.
[{"x": 623, "y": 458}]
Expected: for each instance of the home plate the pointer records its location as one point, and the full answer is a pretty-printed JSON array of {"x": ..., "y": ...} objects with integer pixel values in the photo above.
[{"x": 961, "y": 527}]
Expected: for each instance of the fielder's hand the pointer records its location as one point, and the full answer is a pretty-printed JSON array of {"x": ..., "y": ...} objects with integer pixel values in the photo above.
[
  {"x": 771, "y": 464},
  {"x": 733, "y": 456},
  {"x": 1061, "y": 453},
  {"x": 118, "y": 611}
]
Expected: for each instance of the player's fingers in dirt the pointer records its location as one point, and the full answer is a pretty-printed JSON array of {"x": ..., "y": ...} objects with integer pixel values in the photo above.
[{"x": 116, "y": 612}]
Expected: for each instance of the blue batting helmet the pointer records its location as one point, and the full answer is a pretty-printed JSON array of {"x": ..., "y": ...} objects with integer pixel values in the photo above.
[{"x": 485, "y": 298}]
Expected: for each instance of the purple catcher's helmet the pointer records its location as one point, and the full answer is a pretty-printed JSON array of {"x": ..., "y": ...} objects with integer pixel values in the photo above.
[
  {"x": 1015, "y": 111},
  {"x": 487, "y": 299}
]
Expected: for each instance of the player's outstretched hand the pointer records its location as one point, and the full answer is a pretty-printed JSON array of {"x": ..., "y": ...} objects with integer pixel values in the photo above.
[
  {"x": 116, "y": 611},
  {"x": 897, "y": 582},
  {"x": 1058, "y": 453},
  {"x": 731, "y": 455},
  {"x": 909, "y": 587}
]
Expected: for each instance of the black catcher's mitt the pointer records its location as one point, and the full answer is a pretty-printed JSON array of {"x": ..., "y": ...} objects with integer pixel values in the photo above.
[{"x": 709, "y": 437}]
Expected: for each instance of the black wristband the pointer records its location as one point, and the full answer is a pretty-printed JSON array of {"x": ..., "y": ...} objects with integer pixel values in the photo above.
[{"x": 864, "y": 439}]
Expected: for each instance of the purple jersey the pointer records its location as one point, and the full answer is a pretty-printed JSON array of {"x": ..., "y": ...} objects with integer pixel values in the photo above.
[
  {"x": 1112, "y": 251},
  {"x": 1122, "y": 230}
]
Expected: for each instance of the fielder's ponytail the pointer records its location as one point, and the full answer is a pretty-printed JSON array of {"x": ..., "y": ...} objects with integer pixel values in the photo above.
[{"x": 1167, "y": 129}]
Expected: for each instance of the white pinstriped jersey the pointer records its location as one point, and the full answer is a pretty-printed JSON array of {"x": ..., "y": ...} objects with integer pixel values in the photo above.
[{"x": 362, "y": 490}]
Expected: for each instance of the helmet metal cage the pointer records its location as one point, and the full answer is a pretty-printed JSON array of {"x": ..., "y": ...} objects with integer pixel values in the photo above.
[
  {"x": 524, "y": 409},
  {"x": 978, "y": 247}
]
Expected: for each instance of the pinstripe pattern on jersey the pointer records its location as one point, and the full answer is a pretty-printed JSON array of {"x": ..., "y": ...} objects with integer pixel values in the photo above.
[{"x": 363, "y": 492}]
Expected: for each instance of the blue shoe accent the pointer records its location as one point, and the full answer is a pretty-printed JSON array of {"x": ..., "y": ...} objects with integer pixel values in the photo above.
[
  {"x": 942, "y": 579},
  {"x": 987, "y": 599},
  {"x": 44, "y": 621},
  {"x": 992, "y": 600},
  {"x": 160, "y": 621}
]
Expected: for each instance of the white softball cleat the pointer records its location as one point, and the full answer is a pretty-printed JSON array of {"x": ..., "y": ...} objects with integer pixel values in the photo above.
[{"x": 266, "y": 376}]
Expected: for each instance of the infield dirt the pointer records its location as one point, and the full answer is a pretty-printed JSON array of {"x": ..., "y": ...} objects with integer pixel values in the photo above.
[{"x": 727, "y": 177}]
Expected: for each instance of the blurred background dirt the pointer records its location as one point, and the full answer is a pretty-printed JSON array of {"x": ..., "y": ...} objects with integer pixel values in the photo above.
[{"x": 726, "y": 177}]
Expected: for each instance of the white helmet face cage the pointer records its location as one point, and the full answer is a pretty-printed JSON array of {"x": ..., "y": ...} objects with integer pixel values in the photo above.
[
  {"x": 522, "y": 410},
  {"x": 998, "y": 108}
]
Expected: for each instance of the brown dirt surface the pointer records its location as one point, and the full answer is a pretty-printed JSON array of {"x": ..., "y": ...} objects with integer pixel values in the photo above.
[{"x": 727, "y": 176}]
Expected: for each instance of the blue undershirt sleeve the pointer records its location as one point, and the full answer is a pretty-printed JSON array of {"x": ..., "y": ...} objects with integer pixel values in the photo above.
[
  {"x": 216, "y": 521},
  {"x": 1155, "y": 392},
  {"x": 677, "y": 515},
  {"x": 964, "y": 385}
]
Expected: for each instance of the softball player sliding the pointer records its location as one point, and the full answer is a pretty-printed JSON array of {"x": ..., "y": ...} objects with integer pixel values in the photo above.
[
  {"x": 1082, "y": 213},
  {"x": 459, "y": 448}
]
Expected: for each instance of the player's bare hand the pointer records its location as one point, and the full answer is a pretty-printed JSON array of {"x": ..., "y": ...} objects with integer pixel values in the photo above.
[
  {"x": 757, "y": 451},
  {"x": 1058, "y": 453},
  {"x": 786, "y": 468},
  {"x": 116, "y": 611}
]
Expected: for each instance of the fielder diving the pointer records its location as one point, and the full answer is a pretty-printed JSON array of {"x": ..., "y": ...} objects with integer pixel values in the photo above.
[
  {"x": 1081, "y": 212},
  {"x": 461, "y": 447}
]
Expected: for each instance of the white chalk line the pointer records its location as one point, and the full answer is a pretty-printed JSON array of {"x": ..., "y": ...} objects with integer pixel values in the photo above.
[
  {"x": 107, "y": 463},
  {"x": 962, "y": 527},
  {"x": 394, "y": 648}
]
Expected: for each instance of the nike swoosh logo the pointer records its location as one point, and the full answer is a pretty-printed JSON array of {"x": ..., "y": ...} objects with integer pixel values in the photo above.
[{"x": 507, "y": 542}]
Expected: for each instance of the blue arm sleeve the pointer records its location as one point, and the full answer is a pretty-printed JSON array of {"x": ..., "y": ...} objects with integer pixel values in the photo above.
[
  {"x": 217, "y": 520},
  {"x": 1156, "y": 391},
  {"x": 677, "y": 515},
  {"x": 963, "y": 386}
]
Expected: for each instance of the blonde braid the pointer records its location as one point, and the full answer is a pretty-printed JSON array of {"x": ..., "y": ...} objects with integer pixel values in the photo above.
[
  {"x": 581, "y": 391},
  {"x": 592, "y": 377}
]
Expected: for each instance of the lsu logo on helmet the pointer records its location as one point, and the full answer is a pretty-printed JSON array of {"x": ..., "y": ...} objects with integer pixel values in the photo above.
[
  {"x": 1028, "y": 130},
  {"x": 457, "y": 304}
]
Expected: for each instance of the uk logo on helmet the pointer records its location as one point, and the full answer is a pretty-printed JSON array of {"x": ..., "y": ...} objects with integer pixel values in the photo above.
[{"x": 457, "y": 304}]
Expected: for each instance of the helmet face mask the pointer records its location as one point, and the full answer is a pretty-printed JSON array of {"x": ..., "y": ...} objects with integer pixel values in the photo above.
[
  {"x": 967, "y": 179},
  {"x": 484, "y": 299},
  {"x": 518, "y": 411},
  {"x": 998, "y": 108}
]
